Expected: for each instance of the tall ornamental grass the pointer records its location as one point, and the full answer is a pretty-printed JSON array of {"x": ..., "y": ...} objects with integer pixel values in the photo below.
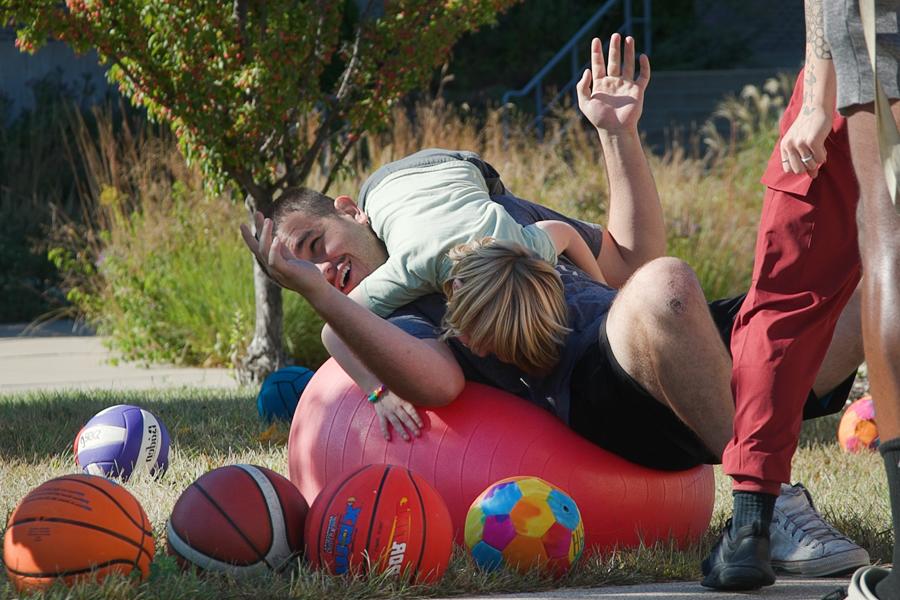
[{"x": 164, "y": 273}]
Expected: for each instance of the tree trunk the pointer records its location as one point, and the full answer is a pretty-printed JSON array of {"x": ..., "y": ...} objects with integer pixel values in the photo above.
[{"x": 266, "y": 351}]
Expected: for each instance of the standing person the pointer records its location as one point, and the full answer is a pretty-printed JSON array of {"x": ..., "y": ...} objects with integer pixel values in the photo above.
[
  {"x": 805, "y": 270},
  {"x": 879, "y": 223},
  {"x": 844, "y": 81}
]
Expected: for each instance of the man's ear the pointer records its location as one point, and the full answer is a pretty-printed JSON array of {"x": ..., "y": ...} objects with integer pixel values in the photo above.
[{"x": 345, "y": 205}]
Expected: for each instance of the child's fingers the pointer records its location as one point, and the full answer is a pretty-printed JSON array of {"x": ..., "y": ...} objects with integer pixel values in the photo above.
[
  {"x": 413, "y": 414},
  {"x": 409, "y": 422},
  {"x": 397, "y": 424},
  {"x": 385, "y": 430}
]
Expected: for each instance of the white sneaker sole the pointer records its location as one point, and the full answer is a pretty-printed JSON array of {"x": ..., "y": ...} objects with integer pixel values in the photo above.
[
  {"x": 833, "y": 564},
  {"x": 863, "y": 582}
]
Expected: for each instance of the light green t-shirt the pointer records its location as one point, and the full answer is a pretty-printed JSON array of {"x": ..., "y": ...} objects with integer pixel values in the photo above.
[{"x": 421, "y": 213}]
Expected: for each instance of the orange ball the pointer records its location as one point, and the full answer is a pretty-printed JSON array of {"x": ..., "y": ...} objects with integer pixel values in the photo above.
[
  {"x": 857, "y": 430},
  {"x": 76, "y": 528}
]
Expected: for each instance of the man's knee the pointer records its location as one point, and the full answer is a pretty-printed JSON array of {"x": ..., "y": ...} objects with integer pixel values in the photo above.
[{"x": 665, "y": 288}]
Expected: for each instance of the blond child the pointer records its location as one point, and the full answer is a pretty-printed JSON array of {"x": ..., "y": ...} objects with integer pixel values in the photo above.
[{"x": 504, "y": 299}]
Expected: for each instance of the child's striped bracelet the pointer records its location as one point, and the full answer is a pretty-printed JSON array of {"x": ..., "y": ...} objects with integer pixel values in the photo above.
[{"x": 376, "y": 394}]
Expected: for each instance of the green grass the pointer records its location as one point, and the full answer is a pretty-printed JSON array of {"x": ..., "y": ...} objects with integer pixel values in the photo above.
[{"x": 210, "y": 429}]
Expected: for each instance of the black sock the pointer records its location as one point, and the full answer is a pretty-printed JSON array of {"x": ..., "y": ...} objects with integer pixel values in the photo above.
[
  {"x": 752, "y": 507},
  {"x": 889, "y": 587}
]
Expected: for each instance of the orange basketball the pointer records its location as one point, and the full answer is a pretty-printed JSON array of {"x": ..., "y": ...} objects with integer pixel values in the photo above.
[
  {"x": 240, "y": 519},
  {"x": 77, "y": 527},
  {"x": 380, "y": 517}
]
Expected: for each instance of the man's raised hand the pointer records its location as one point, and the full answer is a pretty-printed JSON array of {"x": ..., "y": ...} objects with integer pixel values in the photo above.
[{"x": 608, "y": 94}]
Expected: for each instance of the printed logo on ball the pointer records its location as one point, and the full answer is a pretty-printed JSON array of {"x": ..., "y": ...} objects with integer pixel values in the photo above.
[
  {"x": 97, "y": 436},
  {"x": 152, "y": 437},
  {"x": 398, "y": 537},
  {"x": 344, "y": 538}
]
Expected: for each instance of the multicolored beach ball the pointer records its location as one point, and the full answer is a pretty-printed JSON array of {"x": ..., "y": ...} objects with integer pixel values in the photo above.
[
  {"x": 857, "y": 431},
  {"x": 522, "y": 523}
]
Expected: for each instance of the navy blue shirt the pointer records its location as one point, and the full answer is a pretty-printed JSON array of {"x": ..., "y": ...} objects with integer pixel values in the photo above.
[{"x": 588, "y": 303}]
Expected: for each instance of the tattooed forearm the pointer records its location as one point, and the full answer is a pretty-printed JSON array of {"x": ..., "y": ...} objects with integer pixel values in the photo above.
[
  {"x": 815, "y": 30},
  {"x": 809, "y": 82}
]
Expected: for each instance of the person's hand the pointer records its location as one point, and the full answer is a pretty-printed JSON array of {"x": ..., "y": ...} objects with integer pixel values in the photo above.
[
  {"x": 278, "y": 262},
  {"x": 608, "y": 95},
  {"x": 395, "y": 412},
  {"x": 253, "y": 242},
  {"x": 803, "y": 145}
]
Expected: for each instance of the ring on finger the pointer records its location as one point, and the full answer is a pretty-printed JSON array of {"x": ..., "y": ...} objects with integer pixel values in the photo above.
[{"x": 806, "y": 159}]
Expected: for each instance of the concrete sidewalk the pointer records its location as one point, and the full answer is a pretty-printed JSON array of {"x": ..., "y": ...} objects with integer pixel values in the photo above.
[
  {"x": 784, "y": 589},
  {"x": 63, "y": 357}
]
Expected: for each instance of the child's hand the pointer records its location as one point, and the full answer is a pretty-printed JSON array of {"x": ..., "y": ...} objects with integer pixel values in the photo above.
[{"x": 396, "y": 412}]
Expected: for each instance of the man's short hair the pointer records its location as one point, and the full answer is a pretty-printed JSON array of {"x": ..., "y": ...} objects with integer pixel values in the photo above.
[
  {"x": 508, "y": 300},
  {"x": 303, "y": 200}
]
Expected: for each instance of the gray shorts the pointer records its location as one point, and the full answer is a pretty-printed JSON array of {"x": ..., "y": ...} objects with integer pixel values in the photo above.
[{"x": 843, "y": 30}]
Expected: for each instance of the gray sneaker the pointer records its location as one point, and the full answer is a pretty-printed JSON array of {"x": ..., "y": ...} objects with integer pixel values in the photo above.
[{"x": 802, "y": 543}]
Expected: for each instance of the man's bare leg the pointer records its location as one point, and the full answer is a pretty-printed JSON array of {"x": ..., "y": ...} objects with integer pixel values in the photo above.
[
  {"x": 879, "y": 237},
  {"x": 879, "y": 240},
  {"x": 661, "y": 333}
]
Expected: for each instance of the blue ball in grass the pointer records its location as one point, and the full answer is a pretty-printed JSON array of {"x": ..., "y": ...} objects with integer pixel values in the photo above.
[{"x": 280, "y": 393}]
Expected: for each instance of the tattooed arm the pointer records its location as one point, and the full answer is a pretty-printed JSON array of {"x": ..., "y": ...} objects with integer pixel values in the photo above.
[{"x": 805, "y": 139}]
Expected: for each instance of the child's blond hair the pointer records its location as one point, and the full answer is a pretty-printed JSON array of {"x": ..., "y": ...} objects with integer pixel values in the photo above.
[{"x": 507, "y": 300}]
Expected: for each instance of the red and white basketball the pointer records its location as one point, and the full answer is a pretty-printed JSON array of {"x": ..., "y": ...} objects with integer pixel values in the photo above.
[
  {"x": 383, "y": 518},
  {"x": 239, "y": 519}
]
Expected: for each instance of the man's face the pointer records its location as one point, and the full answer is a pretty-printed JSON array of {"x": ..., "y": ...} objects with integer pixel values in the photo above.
[{"x": 343, "y": 247}]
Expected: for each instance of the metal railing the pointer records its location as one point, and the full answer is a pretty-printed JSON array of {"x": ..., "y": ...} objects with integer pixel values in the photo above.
[{"x": 570, "y": 50}]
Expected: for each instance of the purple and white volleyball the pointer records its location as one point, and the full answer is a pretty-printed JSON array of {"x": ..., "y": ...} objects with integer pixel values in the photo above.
[{"x": 122, "y": 440}]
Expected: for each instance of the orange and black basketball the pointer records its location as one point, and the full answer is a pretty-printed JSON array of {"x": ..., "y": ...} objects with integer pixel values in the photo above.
[
  {"x": 239, "y": 519},
  {"x": 380, "y": 517},
  {"x": 77, "y": 527}
]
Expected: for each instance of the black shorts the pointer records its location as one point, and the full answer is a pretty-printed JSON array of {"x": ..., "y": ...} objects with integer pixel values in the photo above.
[{"x": 612, "y": 410}]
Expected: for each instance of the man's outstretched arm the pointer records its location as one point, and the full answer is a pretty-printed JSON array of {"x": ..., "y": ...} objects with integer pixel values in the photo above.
[{"x": 612, "y": 100}]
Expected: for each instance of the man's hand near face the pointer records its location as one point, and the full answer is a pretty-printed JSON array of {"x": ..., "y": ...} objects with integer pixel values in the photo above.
[{"x": 279, "y": 263}]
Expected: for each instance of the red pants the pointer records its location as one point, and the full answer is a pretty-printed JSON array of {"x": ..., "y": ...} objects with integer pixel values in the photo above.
[{"x": 806, "y": 268}]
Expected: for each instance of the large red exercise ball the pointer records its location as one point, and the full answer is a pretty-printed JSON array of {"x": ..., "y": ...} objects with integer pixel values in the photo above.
[
  {"x": 380, "y": 518},
  {"x": 486, "y": 435}
]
